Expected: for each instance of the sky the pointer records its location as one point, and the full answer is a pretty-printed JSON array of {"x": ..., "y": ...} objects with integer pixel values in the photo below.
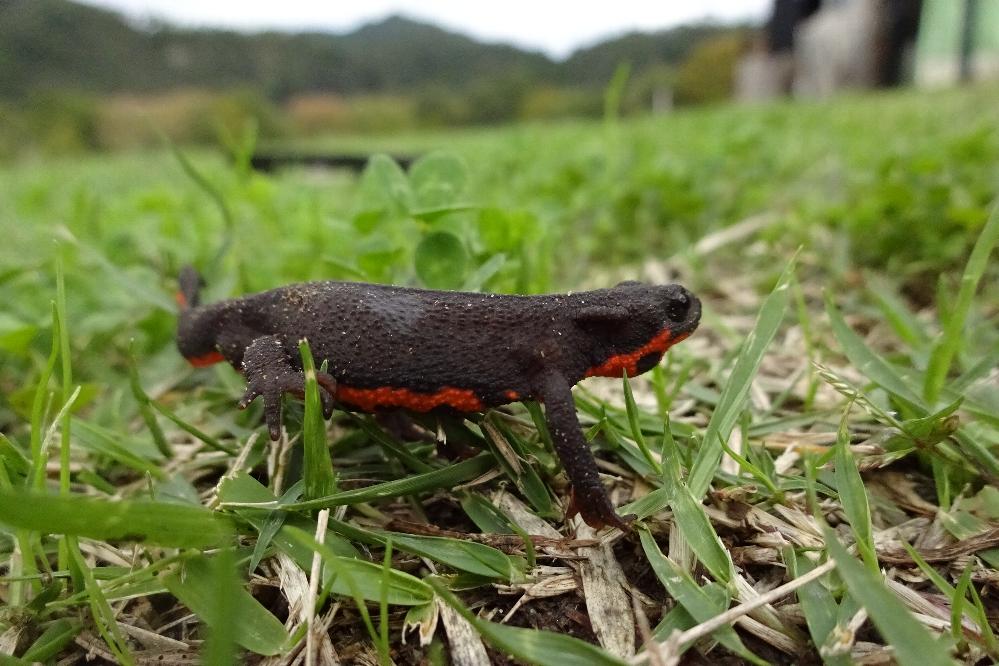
[{"x": 556, "y": 28}]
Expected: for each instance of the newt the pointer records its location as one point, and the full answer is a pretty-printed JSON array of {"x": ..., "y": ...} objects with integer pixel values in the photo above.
[{"x": 395, "y": 347}]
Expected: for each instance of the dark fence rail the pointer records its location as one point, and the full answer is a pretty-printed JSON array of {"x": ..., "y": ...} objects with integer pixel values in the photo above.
[{"x": 269, "y": 162}]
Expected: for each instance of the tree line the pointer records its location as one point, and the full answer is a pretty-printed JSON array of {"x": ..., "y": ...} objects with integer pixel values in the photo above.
[{"x": 65, "y": 63}]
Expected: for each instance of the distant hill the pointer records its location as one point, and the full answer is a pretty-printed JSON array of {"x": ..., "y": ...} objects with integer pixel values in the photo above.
[
  {"x": 594, "y": 65},
  {"x": 58, "y": 44}
]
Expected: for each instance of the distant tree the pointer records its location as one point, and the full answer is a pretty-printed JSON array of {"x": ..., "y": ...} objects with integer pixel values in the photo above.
[
  {"x": 546, "y": 102},
  {"x": 46, "y": 44},
  {"x": 63, "y": 122},
  {"x": 498, "y": 100},
  {"x": 440, "y": 106},
  {"x": 651, "y": 90},
  {"x": 708, "y": 74},
  {"x": 595, "y": 65},
  {"x": 76, "y": 77}
]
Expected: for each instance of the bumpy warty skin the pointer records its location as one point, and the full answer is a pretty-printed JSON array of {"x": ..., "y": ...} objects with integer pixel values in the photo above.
[
  {"x": 375, "y": 335},
  {"x": 421, "y": 349}
]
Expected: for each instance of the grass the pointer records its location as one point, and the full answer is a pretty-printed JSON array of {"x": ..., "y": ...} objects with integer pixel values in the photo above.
[{"x": 828, "y": 433}]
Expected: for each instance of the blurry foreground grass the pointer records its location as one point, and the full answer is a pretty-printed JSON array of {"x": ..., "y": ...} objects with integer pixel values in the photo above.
[{"x": 829, "y": 433}]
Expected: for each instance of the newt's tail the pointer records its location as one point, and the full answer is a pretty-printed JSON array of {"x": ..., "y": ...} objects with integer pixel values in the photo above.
[{"x": 190, "y": 282}]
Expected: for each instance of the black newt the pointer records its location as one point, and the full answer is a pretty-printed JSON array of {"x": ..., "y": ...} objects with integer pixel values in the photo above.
[{"x": 393, "y": 347}]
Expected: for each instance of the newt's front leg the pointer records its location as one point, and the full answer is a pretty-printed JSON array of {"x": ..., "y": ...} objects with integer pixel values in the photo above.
[
  {"x": 270, "y": 373},
  {"x": 589, "y": 497}
]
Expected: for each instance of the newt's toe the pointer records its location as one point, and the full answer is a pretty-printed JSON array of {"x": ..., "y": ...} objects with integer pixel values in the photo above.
[
  {"x": 272, "y": 414},
  {"x": 248, "y": 397}
]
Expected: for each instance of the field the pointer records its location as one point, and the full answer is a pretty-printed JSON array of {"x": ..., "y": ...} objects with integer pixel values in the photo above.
[{"x": 814, "y": 470}]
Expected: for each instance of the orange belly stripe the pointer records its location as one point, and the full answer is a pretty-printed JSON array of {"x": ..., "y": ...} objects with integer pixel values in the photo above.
[
  {"x": 464, "y": 400},
  {"x": 207, "y": 359},
  {"x": 628, "y": 362}
]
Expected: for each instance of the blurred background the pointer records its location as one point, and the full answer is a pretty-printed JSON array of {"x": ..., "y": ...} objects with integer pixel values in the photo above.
[
  {"x": 820, "y": 173},
  {"x": 111, "y": 75}
]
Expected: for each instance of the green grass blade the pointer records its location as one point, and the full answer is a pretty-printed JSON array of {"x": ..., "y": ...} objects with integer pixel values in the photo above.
[
  {"x": 53, "y": 640},
  {"x": 13, "y": 459},
  {"x": 928, "y": 571},
  {"x": 206, "y": 439},
  {"x": 271, "y": 526},
  {"x": 362, "y": 579},
  {"x": 978, "y": 447},
  {"x": 636, "y": 431},
  {"x": 145, "y": 407},
  {"x": 532, "y": 646},
  {"x": 397, "y": 449},
  {"x": 982, "y": 620},
  {"x": 491, "y": 520},
  {"x": 67, "y": 376},
  {"x": 538, "y": 416},
  {"x": 383, "y": 605},
  {"x": 241, "y": 488},
  {"x": 957, "y": 602},
  {"x": 736, "y": 389},
  {"x": 105, "y": 442},
  {"x": 696, "y": 527},
  {"x": 678, "y": 619},
  {"x": 870, "y": 364},
  {"x": 946, "y": 347},
  {"x": 104, "y": 617},
  {"x": 648, "y": 505},
  {"x": 219, "y": 648},
  {"x": 499, "y": 436},
  {"x": 39, "y": 456},
  {"x": 66, "y": 556},
  {"x": 468, "y": 556},
  {"x": 914, "y": 644},
  {"x": 341, "y": 573},
  {"x": 905, "y": 324},
  {"x": 215, "y": 194},
  {"x": 818, "y": 604},
  {"x": 486, "y": 516},
  {"x": 755, "y": 471},
  {"x": 320, "y": 480},
  {"x": 672, "y": 475},
  {"x": 252, "y": 626},
  {"x": 853, "y": 496},
  {"x": 446, "y": 477},
  {"x": 149, "y": 522},
  {"x": 688, "y": 594},
  {"x": 975, "y": 373}
]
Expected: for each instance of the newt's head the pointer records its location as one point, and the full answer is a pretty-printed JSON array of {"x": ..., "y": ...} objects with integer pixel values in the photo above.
[
  {"x": 681, "y": 310},
  {"x": 637, "y": 324},
  {"x": 196, "y": 329}
]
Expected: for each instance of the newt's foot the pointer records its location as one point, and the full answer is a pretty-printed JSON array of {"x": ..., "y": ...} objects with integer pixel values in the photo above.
[
  {"x": 598, "y": 512},
  {"x": 270, "y": 374},
  {"x": 273, "y": 388}
]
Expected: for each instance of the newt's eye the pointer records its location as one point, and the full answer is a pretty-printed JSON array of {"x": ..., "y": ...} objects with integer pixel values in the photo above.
[{"x": 678, "y": 307}]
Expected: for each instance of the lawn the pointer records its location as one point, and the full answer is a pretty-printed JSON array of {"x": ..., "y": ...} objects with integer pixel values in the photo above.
[{"x": 814, "y": 470}]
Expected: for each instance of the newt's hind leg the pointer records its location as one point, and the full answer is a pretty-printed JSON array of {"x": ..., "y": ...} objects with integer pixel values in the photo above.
[
  {"x": 270, "y": 373},
  {"x": 589, "y": 497}
]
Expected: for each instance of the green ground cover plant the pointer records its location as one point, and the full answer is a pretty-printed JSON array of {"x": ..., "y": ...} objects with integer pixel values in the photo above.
[{"x": 814, "y": 470}]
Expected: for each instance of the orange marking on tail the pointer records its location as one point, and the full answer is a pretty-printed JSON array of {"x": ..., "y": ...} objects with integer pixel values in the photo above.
[
  {"x": 210, "y": 358},
  {"x": 369, "y": 400},
  {"x": 628, "y": 362}
]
